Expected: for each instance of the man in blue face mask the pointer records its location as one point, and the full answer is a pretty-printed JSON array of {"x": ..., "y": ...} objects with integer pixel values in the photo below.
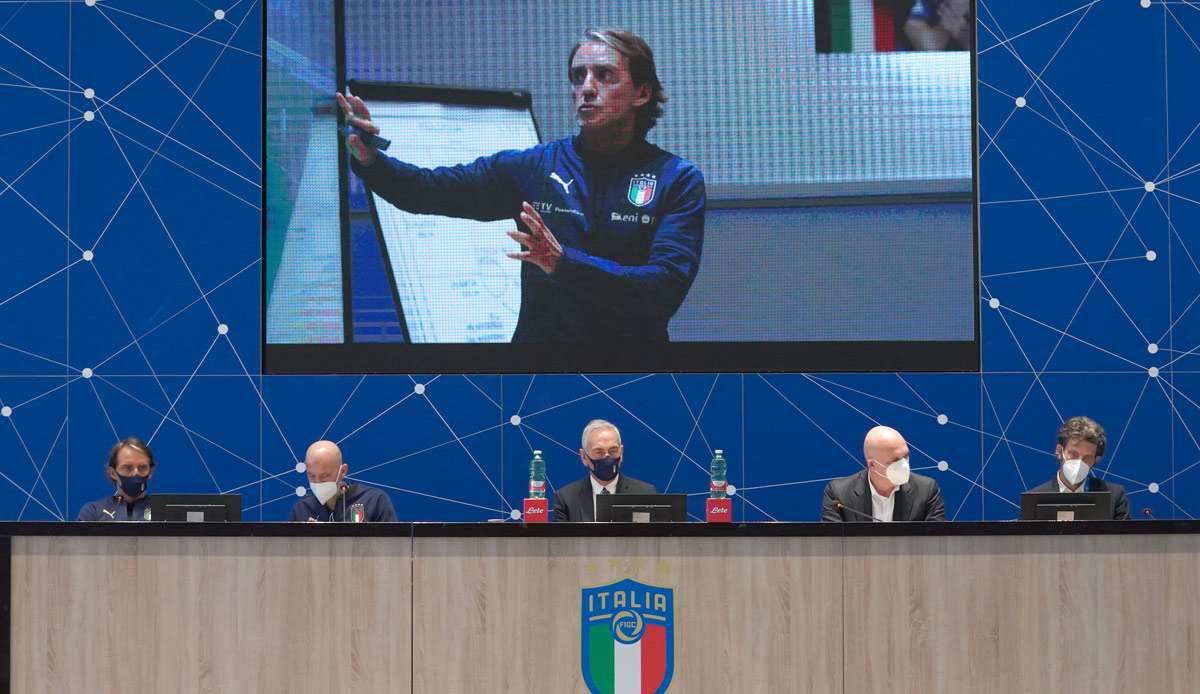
[
  {"x": 602, "y": 454},
  {"x": 130, "y": 466}
]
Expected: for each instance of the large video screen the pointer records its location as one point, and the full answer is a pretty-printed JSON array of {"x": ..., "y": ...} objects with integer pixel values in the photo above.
[{"x": 804, "y": 201}]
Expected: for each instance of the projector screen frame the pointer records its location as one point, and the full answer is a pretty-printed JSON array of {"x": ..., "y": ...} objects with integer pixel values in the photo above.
[{"x": 422, "y": 93}]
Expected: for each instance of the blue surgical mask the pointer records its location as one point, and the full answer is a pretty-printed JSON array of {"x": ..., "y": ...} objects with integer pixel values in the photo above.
[
  {"x": 134, "y": 486},
  {"x": 606, "y": 469}
]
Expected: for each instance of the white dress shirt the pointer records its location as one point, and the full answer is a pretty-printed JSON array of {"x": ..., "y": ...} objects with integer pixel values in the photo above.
[
  {"x": 596, "y": 487},
  {"x": 882, "y": 507}
]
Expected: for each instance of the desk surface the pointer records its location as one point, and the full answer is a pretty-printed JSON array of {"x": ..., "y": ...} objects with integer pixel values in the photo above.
[{"x": 973, "y": 528}]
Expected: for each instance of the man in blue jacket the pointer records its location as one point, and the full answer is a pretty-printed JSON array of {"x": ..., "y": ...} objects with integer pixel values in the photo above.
[
  {"x": 130, "y": 467},
  {"x": 334, "y": 499},
  {"x": 611, "y": 226}
]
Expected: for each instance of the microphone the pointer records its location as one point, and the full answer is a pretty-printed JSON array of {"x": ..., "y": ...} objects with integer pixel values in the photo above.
[
  {"x": 856, "y": 512},
  {"x": 1148, "y": 513},
  {"x": 372, "y": 141}
]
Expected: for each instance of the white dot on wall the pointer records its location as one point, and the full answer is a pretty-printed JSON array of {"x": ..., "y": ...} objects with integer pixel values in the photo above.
[
  {"x": 219, "y": 14},
  {"x": 515, "y": 420},
  {"x": 1020, "y": 102},
  {"x": 301, "y": 491},
  {"x": 1153, "y": 371},
  {"x": 88, "y": 255},
  {"x": 1152, "y": 348},
  {"x": 89, "y": 93},
  {"x": 1151, "y": 256},
  {"x": 419, "y": 389},
  {"x": 222, "y": 329},
  {"x": 943, "y": 465},
  {"x": 86, "y": 373},
  {"x": 1152, "y": 487},
  {"x": 515, "y": 514},
  {"x": 942, "y": 419},
  {"x": 90, "y": 3},
  {"x": 301, "y": 467},
  {"x": 994, "y": 302},
  {"x": 1145, "y": 3},
  {"x": 730, "y": 490},
  {"x": 1149, "y": 186},
  {"x": 89, "y": 116},
  {"x": 5, "y": 411}
]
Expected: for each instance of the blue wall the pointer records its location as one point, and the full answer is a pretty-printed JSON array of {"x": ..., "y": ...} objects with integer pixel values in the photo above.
[{"x": 1066, "y": 228}]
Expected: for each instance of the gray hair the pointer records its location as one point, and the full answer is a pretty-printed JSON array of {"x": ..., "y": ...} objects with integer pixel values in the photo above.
[{"x": 597, "y": 425}]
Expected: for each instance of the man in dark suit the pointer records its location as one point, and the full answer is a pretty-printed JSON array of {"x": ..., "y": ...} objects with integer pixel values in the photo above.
[
  {"x": 602, "y": 454},
  {"x": 1080, "y": 447},
  {"x": 886, "y": 490}
]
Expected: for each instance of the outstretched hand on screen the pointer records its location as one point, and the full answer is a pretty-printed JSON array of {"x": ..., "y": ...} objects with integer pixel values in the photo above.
[
  {"x": 541, "y": 248},
  {"x": 358, "y": 116}
]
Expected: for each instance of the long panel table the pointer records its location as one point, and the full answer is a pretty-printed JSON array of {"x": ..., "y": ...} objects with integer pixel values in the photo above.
[{"x": 781, "y": 607}]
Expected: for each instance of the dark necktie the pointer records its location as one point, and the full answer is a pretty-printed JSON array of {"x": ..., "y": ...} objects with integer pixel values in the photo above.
[{"x": 604, "y": 490}]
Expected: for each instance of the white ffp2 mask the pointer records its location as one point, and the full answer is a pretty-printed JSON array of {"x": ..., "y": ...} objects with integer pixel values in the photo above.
[
  {"x": 1075, "y": 471},
  {"x": 324, "y": 491},
  {"x": 898, "y": 472}
]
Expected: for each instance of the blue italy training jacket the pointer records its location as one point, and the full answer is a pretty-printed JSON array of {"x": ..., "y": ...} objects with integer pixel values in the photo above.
[
  {"x": 360, "y": 504},
  {"x": 631, "y": 227}
]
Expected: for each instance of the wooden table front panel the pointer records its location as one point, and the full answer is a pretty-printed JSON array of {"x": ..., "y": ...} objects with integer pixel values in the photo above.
[
  {"x": 211, "y": 614},
  {"x": 751, "y": 614},
  {"x": 1018, "y": 614}
]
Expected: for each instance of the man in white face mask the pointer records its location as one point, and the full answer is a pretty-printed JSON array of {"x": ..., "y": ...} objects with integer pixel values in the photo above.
[
  {"x": 886, "y": 490},
  {"x": 332, "y": 497},
  {"x": 1080, "y": 447}
]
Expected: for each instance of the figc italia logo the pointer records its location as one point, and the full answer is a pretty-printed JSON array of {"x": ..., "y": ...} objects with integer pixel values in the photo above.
[{"x": 627, "y": 638}]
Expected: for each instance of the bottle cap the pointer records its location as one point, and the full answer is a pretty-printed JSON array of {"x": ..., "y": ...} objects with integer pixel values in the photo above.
[
  {"x": 718, "y": 452},
  {"x": 537, "y": 452}
]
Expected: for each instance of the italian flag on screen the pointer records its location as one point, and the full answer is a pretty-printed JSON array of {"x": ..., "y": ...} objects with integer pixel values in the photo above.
[
  {"x": 855, "y": 26},
  {"x": 627, "y": 668}
]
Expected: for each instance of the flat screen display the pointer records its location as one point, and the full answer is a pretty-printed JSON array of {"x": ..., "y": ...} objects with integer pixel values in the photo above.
[{"x": 806, "y": 201}]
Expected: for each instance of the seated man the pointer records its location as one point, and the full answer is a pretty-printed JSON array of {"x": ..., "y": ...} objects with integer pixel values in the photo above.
[
  {"x": 130, "y": 466},
  {"x": 1080, "y": 447},
  {"x": 885, "y": 491},
  {"x": 333, "y": 498},
  {"x": 601, "y": 454}
]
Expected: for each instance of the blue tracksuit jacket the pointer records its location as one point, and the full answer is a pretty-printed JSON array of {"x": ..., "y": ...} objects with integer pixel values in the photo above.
[
  {"x": 631, "y": 227},
  {"x": 360, "y": 504}
]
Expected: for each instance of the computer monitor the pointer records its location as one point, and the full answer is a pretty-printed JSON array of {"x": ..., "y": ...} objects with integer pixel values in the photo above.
[
  {"x": 641, "y": 508},
  {"x": 196, "y": 508},
  {"x": 1066, "y": 506}
]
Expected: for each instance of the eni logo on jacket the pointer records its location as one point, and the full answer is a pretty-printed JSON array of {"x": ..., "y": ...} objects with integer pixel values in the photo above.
[{"x": 627, "y": 638}]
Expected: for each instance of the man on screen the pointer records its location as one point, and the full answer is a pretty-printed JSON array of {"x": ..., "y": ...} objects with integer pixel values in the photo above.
[
  {"x": 611, "y": 227},
  {"x": 333, "y": 498},
  {"x": 602, "y": 454},
  {"x": 1080, "y": 447},
  {"x": 886, "y": 490}
]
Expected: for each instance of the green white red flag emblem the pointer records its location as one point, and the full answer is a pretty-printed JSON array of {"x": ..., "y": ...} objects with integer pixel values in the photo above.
[{"x": 627, "y": 638}]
